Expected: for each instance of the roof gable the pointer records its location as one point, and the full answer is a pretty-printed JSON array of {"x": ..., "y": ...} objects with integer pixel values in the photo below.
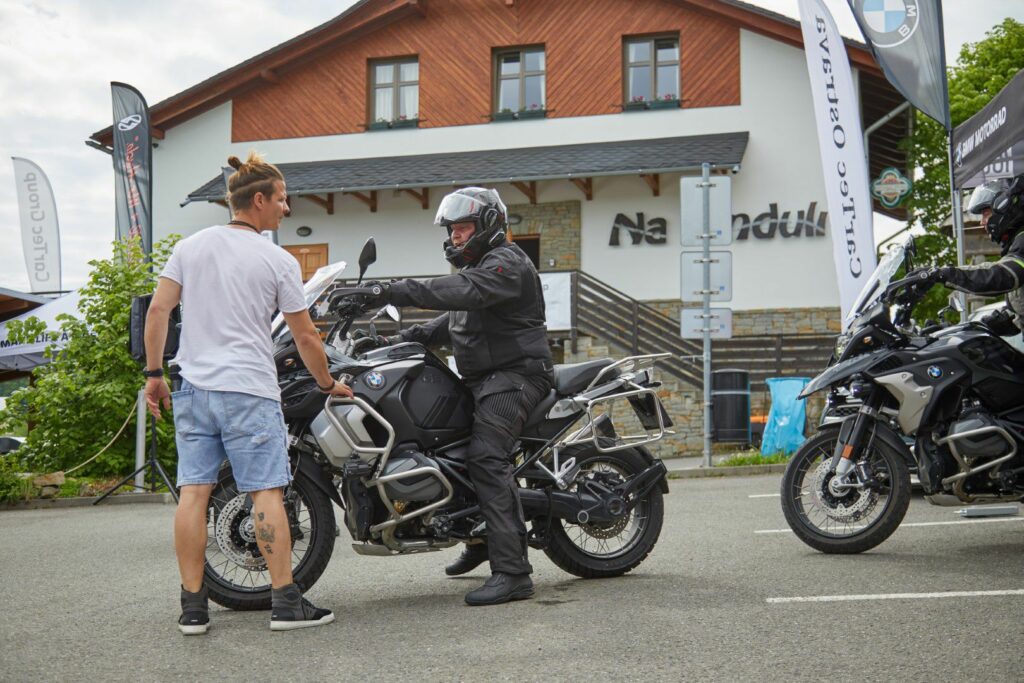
[{"x": 367, "y": 16}]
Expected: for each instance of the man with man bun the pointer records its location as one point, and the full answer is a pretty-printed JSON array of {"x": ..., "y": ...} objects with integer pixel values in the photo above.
[{"x": 230, "y": 280}]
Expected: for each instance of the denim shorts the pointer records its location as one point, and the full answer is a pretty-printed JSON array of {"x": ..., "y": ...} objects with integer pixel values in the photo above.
[{"x": 246, "y": 430}]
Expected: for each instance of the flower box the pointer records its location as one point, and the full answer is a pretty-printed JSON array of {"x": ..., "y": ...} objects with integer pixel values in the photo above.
[
  {"x": 397, "y": 123},
  {"x": 517, "y": 115}
]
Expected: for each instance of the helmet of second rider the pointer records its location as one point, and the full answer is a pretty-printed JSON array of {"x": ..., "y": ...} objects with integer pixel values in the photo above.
[
  {"x": 1007, "y": 212},
  {"x": 484, "y": 208}
]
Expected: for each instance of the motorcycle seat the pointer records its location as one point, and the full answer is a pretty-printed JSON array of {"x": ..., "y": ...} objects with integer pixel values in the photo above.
[{"x": 573, "y": 378}]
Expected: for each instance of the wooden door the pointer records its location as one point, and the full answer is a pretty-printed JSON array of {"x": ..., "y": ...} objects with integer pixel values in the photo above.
[{"x": 309, "y": 256}]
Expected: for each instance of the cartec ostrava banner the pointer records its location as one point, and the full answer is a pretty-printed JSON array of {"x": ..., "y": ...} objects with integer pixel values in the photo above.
[
  {"x": 993, "y": 136},
  {"x": 841, "y": 142},
  {"x": 133, "y": 165},
  {"x": 40, "y": 235},
  {"x": 906, "y": 39}
]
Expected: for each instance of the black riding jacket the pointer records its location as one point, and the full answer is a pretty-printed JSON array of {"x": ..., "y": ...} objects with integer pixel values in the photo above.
[
  {"x": 1005, "y": 276},
  {"x": 495, "y": 318}
]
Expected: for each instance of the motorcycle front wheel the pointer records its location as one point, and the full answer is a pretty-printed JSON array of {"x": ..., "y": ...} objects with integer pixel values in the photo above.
[
  {"x": 236, "y": 573},
  {"x": 601, "y": 550},
  {"x": 844, "y": 521}
]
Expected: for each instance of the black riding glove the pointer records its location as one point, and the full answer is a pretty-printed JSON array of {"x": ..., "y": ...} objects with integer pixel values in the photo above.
[
  {"x": 375, "y": 339},
  {"x": 1000, "y": 323},
  {"x": 379, "y": 294}
]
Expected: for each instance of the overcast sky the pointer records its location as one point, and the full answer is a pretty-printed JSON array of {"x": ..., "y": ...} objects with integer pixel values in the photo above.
[{"x": 59, "y": 57}]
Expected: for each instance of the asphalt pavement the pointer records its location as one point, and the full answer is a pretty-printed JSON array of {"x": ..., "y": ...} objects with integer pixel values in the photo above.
[{"x": 91, "y": 593}]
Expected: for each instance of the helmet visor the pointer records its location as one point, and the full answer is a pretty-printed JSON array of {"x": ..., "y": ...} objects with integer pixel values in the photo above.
[
  {"x": 983, "y": 195},
  {"x": 462, "y": 206}
]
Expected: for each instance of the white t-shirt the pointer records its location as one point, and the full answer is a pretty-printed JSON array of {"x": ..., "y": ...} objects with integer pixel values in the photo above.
[{"x": 232, "y": 281}]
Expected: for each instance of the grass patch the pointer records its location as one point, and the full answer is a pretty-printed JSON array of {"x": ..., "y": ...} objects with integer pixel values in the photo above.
[{"x": 753, "y": 458}]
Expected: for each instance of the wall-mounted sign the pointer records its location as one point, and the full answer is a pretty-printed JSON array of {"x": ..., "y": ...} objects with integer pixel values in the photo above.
[
  {"x": 652, "y": 231},
  {"x": 770, "y": 224},
  {"x": 891, "y": 187}
]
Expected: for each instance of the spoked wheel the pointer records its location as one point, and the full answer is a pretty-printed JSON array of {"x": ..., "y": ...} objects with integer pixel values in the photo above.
[
  {"x": 236, "y": 573},
  {"x": 595, "y": 550},
  {"x": 834, "y": 519}
]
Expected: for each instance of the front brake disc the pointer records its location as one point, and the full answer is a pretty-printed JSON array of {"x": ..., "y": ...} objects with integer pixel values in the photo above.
[
  {"x": 235, "y": 535},
  {"x": 853, "y": 506}
]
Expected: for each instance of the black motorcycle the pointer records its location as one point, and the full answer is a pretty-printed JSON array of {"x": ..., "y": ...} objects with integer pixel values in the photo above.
[
  {"x": 956, "y": 390},
  {"x": 393, "y": 459}
]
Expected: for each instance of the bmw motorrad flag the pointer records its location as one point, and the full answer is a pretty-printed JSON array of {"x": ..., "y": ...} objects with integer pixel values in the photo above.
[
  {"x": 133, "y": 165},
  {"x": 906, "y": 38}
]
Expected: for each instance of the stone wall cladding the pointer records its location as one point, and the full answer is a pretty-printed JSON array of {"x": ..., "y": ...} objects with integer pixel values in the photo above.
[
  {"x": 767, "y": 320},
  {"x": 558, "y": 224}
]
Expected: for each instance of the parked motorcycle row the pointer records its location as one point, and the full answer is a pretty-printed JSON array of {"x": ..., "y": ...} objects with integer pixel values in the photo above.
[{"x": 392, "y": 457}]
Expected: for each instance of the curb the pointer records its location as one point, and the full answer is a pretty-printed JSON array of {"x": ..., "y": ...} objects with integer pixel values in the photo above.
[
  {"x": 743, "y": 471},
  {"x": 120, "y": 499}
]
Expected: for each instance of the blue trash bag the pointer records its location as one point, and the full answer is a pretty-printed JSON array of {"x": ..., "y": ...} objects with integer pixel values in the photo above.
[{"x": 784, "y": 431}]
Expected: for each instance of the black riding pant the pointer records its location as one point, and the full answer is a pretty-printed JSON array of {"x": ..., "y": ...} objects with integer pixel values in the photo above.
[{"x": 503, "y": 401}]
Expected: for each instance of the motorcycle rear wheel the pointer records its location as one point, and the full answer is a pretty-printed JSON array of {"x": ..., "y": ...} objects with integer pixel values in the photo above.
[
  {"x": 235, "y": 572},
  {"x": 843, "y": 525},
  {"x": 600, "y": 551}
]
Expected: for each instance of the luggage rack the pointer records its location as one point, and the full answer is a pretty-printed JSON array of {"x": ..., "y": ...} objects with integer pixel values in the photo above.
[{"x": 630, "y": 374}]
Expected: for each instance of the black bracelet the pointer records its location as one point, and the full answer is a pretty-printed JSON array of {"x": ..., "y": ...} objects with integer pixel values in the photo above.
[
  {"x": 328, "y": 389},
  {"x": 153, "y": 373}
]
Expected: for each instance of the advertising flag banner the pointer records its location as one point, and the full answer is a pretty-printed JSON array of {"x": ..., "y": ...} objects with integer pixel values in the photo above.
[
  {"x": 906, "y": 39},
  {"x": 990, "y": 144},
  {"x": 133, "y": 165},
  {"x": 40, "y": 235},
  {"x": 841, "y": 143}
]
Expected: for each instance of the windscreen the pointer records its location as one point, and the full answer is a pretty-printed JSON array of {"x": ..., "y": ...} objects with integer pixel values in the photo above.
[
  {"x": 879, "y": 280},
  {"x": 314, "y": 288}
]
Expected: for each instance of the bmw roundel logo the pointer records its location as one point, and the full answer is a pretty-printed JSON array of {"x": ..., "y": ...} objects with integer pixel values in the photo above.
[
  {"x": 889, "y": 22},
  {"x": 375, "y": 380},
  {"x": 934, "y": 371}
]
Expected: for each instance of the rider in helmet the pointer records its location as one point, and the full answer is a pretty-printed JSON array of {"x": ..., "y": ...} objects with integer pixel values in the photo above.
[
  {"x": 1000, "y": 204},
  {"x": 496, "y": 326}
]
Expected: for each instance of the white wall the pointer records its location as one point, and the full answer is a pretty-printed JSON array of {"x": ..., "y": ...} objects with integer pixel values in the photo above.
[{"x": 781, "y": 165}]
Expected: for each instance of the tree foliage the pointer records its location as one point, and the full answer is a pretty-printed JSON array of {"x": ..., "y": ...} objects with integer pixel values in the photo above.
[
  {"x": 78, "y": 401},
  {"x": 982, "y": 69}
]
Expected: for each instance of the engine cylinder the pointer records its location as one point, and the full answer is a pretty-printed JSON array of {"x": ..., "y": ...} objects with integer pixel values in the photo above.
[{"x": 417, "y": 487}]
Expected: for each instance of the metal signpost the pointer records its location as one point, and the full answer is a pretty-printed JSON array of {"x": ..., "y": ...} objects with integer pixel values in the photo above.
[{"x": 711, "y": 225}]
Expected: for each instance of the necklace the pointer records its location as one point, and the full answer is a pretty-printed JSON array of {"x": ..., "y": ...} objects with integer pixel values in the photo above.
[{"x": 243, "y": 224}]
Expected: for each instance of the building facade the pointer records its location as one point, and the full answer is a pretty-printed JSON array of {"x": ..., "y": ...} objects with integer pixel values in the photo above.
[{"x": 584, "y": 114}]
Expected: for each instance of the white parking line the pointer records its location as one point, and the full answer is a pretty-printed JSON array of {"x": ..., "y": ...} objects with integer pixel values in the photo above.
[
  {"x": 766, "y": 495},
  {"x": 893, "y": 596},
  {"x": 909, "y": 524}
]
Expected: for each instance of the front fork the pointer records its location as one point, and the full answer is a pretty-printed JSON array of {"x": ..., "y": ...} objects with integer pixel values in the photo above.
[{"x": 850, "y": 472}]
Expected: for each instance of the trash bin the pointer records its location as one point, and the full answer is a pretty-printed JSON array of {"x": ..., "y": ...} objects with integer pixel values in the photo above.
[
  {"x": 730, "y": 406},
  {"x": 784, "y": 431}
]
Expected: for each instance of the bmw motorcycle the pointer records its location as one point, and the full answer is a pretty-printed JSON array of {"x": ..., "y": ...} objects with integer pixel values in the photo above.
[
  {"x": 955, "y": 391},
  {"x": 393, "y": 459}
]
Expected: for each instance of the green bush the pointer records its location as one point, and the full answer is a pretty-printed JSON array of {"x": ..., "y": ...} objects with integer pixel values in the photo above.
[
  {"x": 80, "y": 399},
  {"x": 12, "y": 486}
]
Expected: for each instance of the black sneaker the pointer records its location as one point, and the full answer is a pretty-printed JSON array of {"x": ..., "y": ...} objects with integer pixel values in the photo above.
[
  {"x": 501, "y": 587},
  {"x": 195, "y": 613},
  {"x": 291, "y": 611}
]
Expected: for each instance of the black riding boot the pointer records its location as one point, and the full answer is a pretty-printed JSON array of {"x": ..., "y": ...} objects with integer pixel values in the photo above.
[
  {"x": 472, "y": 557},
  {"x": 501, "y": 587}
]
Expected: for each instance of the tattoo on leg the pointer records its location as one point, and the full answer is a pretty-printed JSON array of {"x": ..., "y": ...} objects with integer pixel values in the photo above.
[
  {"x": 260, "y": 515},
  {"x": 267, "y": 548},
  {"x": 266, "y": 532}
]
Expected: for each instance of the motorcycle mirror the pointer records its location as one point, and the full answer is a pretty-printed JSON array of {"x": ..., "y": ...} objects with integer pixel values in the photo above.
[
  {"x": 955, "y": 303},
  {"x": 910, "y": 246},
  {"x": 392, "y": 312},
  {"x": 367, "y": 256}
]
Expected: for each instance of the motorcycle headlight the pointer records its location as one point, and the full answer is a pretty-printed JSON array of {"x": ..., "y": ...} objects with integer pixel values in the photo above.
[{"x": 841, "y": 342}]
